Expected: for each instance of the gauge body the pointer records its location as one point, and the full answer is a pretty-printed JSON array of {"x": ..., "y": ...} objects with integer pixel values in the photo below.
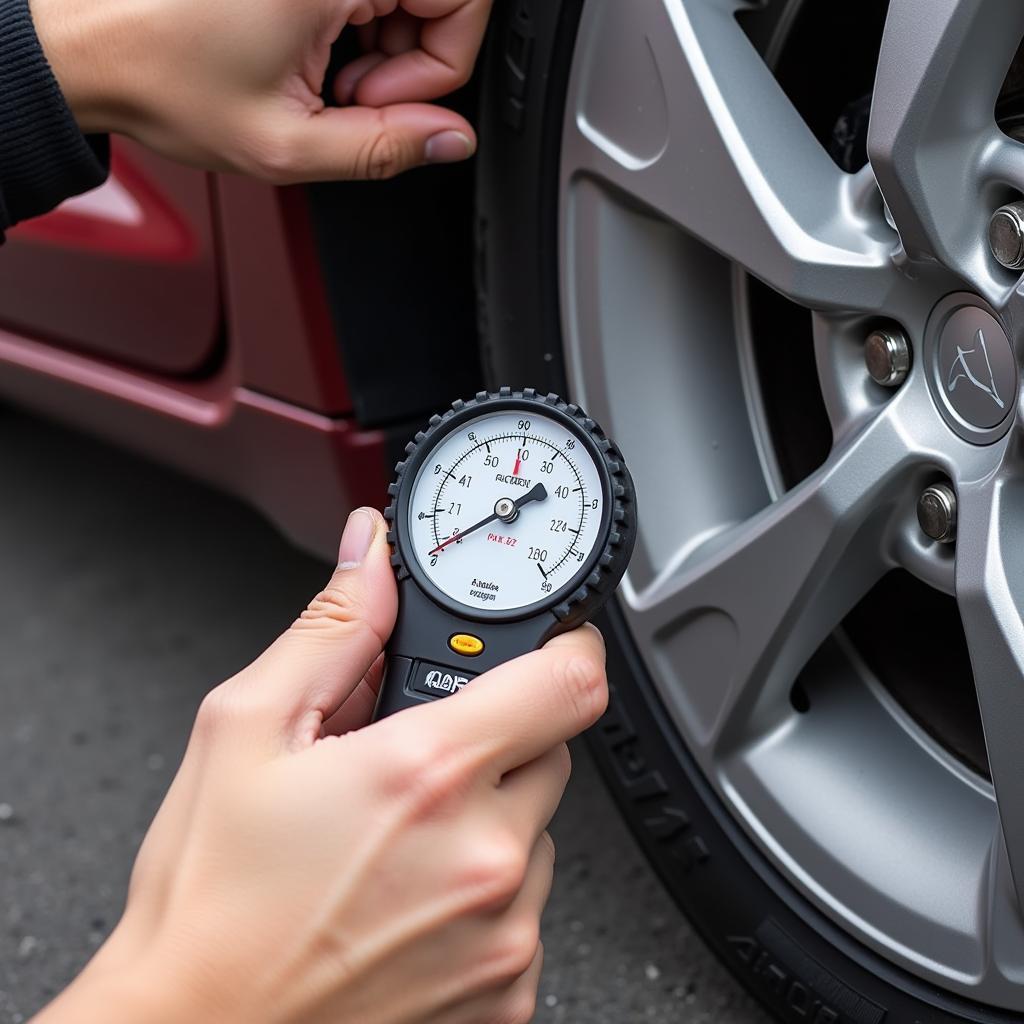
[{"x": 512, "y": 520}]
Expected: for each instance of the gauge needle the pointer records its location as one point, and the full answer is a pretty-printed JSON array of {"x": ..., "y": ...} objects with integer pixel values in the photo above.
[
  {"x": 519, "y": 462},
  {"x": 538, "y": 493}
]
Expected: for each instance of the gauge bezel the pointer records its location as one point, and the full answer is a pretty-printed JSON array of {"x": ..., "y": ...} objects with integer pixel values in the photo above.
[{"x": 436, "y": 437}]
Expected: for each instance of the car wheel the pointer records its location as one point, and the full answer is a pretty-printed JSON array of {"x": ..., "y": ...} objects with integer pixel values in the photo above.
[{"x": 817, "y": 655}]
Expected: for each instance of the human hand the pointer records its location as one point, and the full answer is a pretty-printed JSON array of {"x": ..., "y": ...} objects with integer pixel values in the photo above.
[
  {"x": 235, "y": 85},
  {"x": 306, "y": 867}
]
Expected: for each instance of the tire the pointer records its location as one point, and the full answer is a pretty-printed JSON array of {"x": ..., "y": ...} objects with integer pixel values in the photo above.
[{"x": 795, "y": 960}]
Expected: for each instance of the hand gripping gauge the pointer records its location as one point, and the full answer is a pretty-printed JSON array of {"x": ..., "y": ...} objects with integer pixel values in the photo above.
[{"x": 512, "y": 520}]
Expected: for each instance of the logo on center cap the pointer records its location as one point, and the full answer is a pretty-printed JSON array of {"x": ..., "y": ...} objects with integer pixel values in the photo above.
[
  {"x": 973, "y": 376},
  {"x": 961, "y": 369}
]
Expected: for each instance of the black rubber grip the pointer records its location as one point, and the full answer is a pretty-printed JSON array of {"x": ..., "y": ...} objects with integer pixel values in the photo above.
[{"x": 422, "y": 665}]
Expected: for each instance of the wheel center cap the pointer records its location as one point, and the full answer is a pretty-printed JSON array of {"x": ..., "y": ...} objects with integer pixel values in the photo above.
[{"x": 973, "y": 370}]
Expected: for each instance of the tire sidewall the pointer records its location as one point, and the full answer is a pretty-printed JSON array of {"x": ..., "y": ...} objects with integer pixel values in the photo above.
[{"x": 790, "y": 956}]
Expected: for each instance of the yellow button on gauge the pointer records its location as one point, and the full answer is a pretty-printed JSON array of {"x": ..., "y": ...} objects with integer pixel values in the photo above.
[{"x": 467, "y": 645}]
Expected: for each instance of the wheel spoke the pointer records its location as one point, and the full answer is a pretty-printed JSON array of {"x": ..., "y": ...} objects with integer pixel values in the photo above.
[
  {"x": 940, "y": 70},
  {"x": 990, "y": 591},
  {"x": 1002, "y": 925},
  {"x": 703, "y": 135},
  {"x": 746, "y": 618}
]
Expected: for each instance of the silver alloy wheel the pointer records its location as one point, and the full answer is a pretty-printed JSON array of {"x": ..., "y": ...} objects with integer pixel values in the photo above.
[{"x": 685, "y": 168}]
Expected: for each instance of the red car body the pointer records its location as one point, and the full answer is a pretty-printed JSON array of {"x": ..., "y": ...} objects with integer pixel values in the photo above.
[{"x": 184, "y": 314}]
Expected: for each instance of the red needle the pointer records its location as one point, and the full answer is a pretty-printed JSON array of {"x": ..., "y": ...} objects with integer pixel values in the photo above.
[
  {"x": 519, "y": 459},
  {"x": 442, "y": 546}
]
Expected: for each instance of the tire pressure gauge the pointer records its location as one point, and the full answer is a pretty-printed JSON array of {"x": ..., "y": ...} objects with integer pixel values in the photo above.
[{"x": 512, "y": 520}]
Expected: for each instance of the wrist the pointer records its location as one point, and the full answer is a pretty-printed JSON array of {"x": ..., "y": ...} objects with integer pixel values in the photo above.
[
  {"x": 89, "y": 53},
  {"x": 116, "y": 990}
]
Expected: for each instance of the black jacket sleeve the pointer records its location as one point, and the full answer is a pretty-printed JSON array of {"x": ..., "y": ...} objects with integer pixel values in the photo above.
[{"x": 44, "y": 158}]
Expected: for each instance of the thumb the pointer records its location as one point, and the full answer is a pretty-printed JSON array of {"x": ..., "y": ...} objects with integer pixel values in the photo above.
[
  {"x": 309, "y": 672},
  {"x": 366, "y": 142}
]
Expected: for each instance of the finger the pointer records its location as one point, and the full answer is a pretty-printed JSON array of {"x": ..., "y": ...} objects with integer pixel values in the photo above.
[
  {"x": 360, "y": 143},
  {"x": 357, "y": 710},
  {"x": 521, "y": 917},
  {"x": 352, "y": 74},
  {"x": 531, "y": 794},
  {"x": 393, "y": 35},
  {"x": 520, "y": 1002},
  {"x": 517, "y": 712},
  {"x": 532, "y": 898},
  {"x": 310, "y": 671},
  {"x": 516, "y": 1003},
  {"x": 449, "y": 42},
  {"x": 497, "y": 937}
]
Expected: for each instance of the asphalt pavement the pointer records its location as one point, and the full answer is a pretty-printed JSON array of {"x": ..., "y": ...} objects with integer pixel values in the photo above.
[{"x": 126, "y": 592}]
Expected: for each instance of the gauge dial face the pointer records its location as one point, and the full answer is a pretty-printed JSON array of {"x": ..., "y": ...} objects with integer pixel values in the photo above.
[{"x": 506, "y": 510}]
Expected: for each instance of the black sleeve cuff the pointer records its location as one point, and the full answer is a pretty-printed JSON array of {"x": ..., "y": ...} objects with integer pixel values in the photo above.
[{"x": 44, "y": 158}]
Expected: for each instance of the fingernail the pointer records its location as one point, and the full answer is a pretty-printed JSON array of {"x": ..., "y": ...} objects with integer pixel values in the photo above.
[
  {"x": 356, "y": 539},
  {"x": 448, "y": 148}
]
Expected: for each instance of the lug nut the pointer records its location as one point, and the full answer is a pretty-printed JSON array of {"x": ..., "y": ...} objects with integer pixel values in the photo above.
[
  {"x": 887, "y": 357},
  {"x": 1006, "y": 235},
  {"x": 936, "y": 512}
]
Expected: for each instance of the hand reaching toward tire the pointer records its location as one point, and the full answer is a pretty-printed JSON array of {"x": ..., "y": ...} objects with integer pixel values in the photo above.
[
  {"x": 235, "y": 85},
  {"x": 306, "y": 867}
]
